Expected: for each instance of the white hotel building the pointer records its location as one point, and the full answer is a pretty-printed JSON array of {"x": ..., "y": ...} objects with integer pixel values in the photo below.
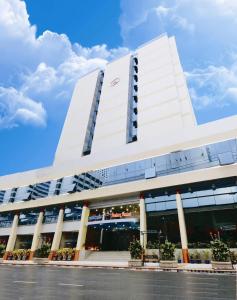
[{"x": 131, "y": 163}]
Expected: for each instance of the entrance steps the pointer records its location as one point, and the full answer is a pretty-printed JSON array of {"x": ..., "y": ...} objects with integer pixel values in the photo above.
[{"x": 107, "y": 256}]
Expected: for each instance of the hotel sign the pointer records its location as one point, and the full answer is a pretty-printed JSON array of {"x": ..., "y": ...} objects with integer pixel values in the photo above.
[
  {"x": 121, "y": 215},
  {"x": 114, "y": 82}
]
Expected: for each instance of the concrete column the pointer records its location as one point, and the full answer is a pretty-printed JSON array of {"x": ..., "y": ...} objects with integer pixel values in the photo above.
[
  {"x": 143, "y": 224},
  {"x": 102, "y": 230},
  {"x": 12, "y": 238},
  {"x": 82, "y": 231},
  {"x": 36, "y": 236},
  {"x": 57, "y": 234},
  {"x": 182, "y": 228}
]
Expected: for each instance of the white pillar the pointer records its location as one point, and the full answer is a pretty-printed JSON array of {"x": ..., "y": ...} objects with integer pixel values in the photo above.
[
  {"x": 57, "y": 234},
  {"x": 12, "y": 237},
  {"x": 182, "y": 228},
  {"x": 143, "y": 224},
  {"x": 102, "y": 230},
  {"x": 36, "y": 236},
  {"x": 82, "y": 231}
]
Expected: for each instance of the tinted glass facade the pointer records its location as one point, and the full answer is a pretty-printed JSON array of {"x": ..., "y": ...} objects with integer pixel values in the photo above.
[
  {"x": 210, "y": 207},
  {"x": 218, "y": 154}
]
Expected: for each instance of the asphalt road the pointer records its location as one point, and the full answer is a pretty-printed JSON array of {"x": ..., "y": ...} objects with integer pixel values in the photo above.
[{"x": 34, "y": 282}]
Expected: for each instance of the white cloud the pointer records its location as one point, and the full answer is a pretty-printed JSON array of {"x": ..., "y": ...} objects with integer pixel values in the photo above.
[
  {"x": 16, "y": 108},
  {"x": 170, "y": 14},
  {"x": 213, "y": 85},
  {"x": 39, "y": 71}
]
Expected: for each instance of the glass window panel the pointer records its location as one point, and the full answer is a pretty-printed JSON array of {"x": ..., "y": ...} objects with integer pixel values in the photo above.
[
  {"x": 224, "y": 199},
  {"x": 226, "y": 158},
  {"x": 190, "y": 203},
  {"x": 206, "y": 201},
  {"x": 149, "y": 200},
  {"x": 170, "y": 205},
  {"x": 223, "y": 190},
  {"x": 151, "y": 207},
  {"x": 188, "y": 195},
  {"x": 160, "y": 206},
  {"x": 205, "y": 192}
]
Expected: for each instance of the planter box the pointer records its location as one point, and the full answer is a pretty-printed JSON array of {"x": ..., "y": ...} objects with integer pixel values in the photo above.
[
  {"x": 135, "y": 263},
  {"x": 222, "y": 265},
  {"x": 168, "y": 264},
  {"x": 150, "y": 252}
]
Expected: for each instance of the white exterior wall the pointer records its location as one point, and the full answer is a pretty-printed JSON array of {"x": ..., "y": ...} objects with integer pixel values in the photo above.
[
  {"x": 164, "y": 107},
  {"x": 111, "y": 124},
  {"x": 74, "y": 131}
]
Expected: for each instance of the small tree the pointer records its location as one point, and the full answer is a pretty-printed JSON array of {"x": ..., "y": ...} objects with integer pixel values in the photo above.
[
  {"x": 167, "y": 250},
  {"x": 43, "y": 251},
  {"x": 220, "y": 251},
  {"x": 135, "y": 249}
]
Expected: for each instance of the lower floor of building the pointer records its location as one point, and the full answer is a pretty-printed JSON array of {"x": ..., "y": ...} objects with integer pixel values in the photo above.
[{"x": 188, "y": 217}]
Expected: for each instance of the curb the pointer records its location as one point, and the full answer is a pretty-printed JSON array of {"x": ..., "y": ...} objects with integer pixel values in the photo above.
[{"x": 154, "y": 269}]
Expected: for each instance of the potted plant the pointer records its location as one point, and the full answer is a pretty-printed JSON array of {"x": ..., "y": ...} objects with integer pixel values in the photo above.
[
  {"x": 152, "y": 251},
  {"x": 197, "y": 256},
  {"x": 220, "y": 255},
  {"x": 2, "y": 249},
  {"x": 44, "y": 251},
  {"x": 25, "y": 254},
  {"x": 136, "y": 252},
  {"x": 205, "y": 256},
  {"x": 191, "y": 256},
  {"x": 167, "y": 255},
  {"x": 59, "y": 254},
  {"x": 179, "y": 257},
  {"x": 71, "y": 253},
  {"x": 64, "y": 253},
  {"x": 14, "y": 254}
]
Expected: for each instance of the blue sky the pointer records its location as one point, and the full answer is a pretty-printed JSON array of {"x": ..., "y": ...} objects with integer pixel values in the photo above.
[{"x": 45, "y": 46}]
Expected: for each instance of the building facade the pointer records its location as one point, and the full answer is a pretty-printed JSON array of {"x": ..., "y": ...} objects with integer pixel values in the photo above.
[{"x": 131, "y": 163}]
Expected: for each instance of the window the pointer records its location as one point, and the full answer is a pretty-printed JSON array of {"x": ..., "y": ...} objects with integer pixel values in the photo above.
[
  {"x": 132, "y": 102},
  {"x": 93, "y": 115}
]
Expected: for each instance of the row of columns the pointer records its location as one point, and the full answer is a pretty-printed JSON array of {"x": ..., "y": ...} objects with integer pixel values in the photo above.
[
  {"x": 83, "y": 230},
  {"x": 181, "y": 220},
  {"x": 57, "y": 235}
]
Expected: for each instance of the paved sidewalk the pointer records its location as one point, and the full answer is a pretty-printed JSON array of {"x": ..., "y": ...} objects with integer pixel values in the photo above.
[{"x": 118, "y": 264}]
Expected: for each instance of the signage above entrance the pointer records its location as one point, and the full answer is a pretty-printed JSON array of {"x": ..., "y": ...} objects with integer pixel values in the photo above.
[{"x": 121, "y": 215}]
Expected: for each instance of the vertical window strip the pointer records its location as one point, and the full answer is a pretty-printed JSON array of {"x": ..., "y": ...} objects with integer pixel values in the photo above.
[
  {"x": 93, "y": 115},
  {"x": 132, "y": 101},
  {"x": 2, "y": 193}
]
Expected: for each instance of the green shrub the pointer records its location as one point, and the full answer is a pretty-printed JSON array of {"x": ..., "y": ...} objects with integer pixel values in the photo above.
[
  {"x": 220, "y": 251},
  {"x": 2, "y": 249},
  {"x": 167, "y": 251},
  {"x": 135, "y": 249},
  {"x": 152, "y": 245},
  {"x": 44, "y": 251}
]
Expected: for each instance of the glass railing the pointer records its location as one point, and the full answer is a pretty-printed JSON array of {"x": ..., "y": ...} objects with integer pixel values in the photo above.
[{"x": 5, "y": 224}]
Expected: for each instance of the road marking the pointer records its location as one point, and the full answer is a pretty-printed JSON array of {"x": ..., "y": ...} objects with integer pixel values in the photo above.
[
  {"x": 109, "y": 273},
  {"x": 20, "y": 281},
  {"x": 70, "y": 284}
]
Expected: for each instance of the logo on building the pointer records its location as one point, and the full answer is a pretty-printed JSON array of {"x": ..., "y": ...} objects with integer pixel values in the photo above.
[{"x": 114, "y": 82}]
